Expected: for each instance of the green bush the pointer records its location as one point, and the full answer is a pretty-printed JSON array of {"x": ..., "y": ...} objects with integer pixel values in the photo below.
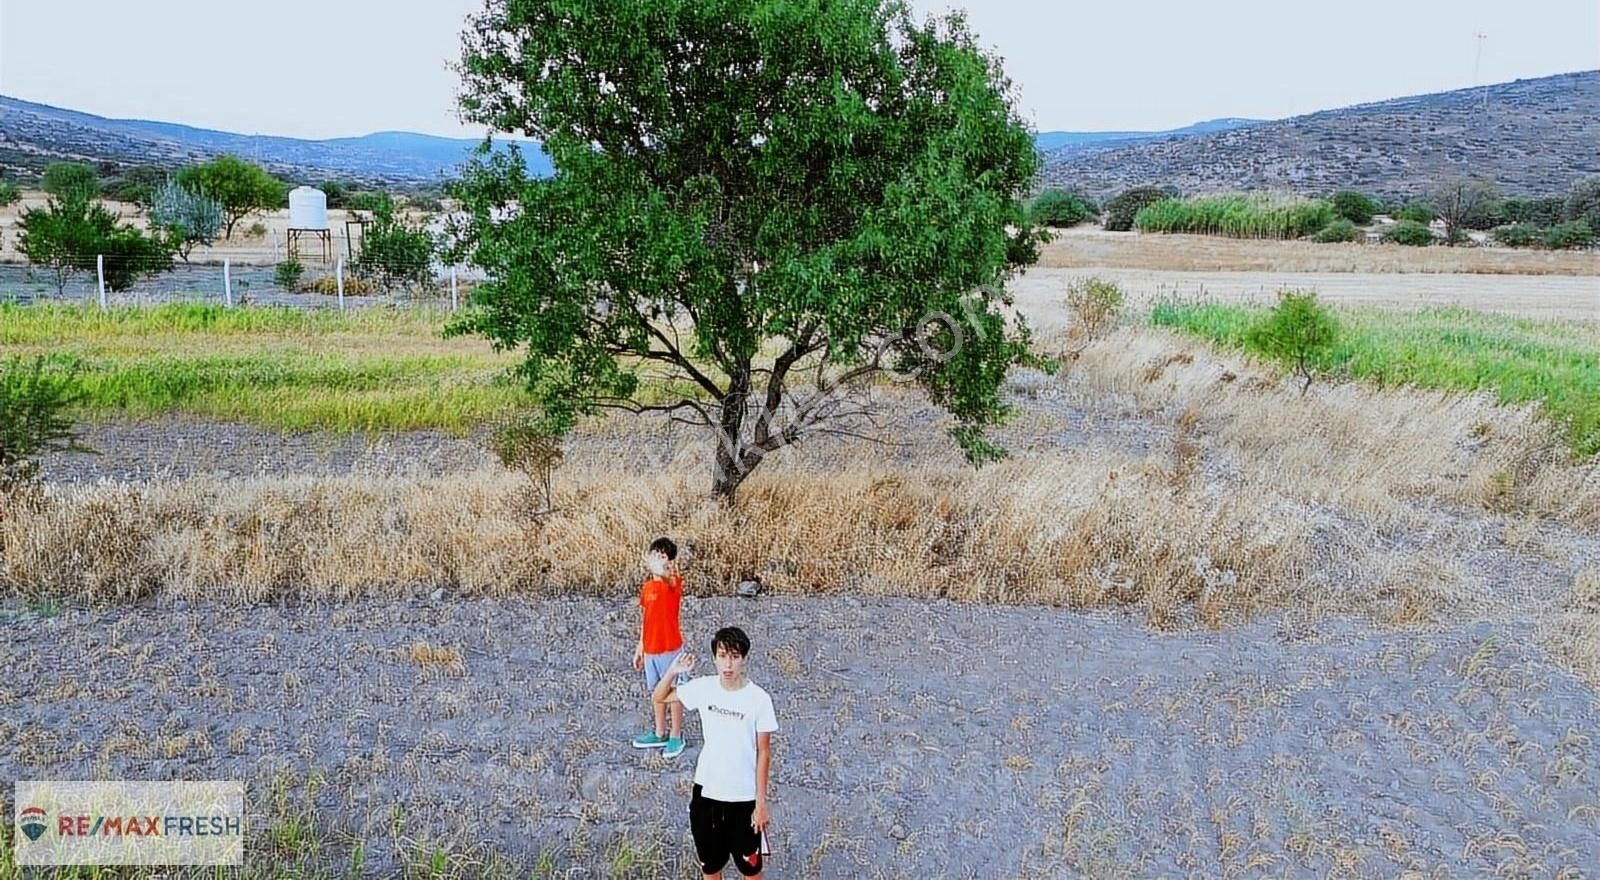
[
  {"x": 372, "y": 202},
  {"x": 1583, "y": 203},
  {"x": 1409, "y": 232},
  {"x": 10, "y": 193},
  {"x": 34, "y": 405},
  {"x": 70, "y": 180},
  {"x": 1238, "y": 216},
  {"x": 1354, "y": 207},
  {"x": 1341, "y": 229},
  {"x": 1416, "y": 212},
  {"x": 1121, "y": 210},
  {"x": 1519, "y": 235},
  {"x": 71, "y": 234},
  {"x": 1570, "y": 235},
  {"x": 240, "y": 187},
  {"x": 1536, "y": 212},
  {"x": 395, "y": 252},
  {"x": 188, "y": 217},
  {"x": 1060, "y": 209},
  {"x": 287, "y": 275},
  {"x": 1297, "y": 330}
]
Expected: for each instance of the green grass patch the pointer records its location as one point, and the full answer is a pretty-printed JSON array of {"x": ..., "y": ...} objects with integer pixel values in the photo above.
[
  {"x": 1237, "y": 216},
  {"x": 1453, "y": 349},
  {"x": 373, "y": 370}
]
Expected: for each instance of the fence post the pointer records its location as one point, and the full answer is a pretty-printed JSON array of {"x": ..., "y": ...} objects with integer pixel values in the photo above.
[
  {"x": 274, "y": 245},
  {"x": 338, "y": 279},
  {"x": 100, "y": 272},
  {"x": 227, "y": 283},
  {"x": 454, "y": 299}
]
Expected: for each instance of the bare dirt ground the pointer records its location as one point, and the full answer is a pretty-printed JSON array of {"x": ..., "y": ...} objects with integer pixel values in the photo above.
[
  {"x": 918, "y": 740},
  {"x": 1092, "y": 246},
  {"x": 1041, "y": 290}
]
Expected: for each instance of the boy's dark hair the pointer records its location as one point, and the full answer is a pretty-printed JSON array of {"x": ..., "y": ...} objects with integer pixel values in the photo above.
[
  {"x": 665, "y": 545},
  {"x": 732, "y": 638}
]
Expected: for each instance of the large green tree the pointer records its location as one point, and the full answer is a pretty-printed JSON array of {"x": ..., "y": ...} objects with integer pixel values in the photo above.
[
  {"x": 241, "y": 187},
  {"x": 773, "y": 200}
]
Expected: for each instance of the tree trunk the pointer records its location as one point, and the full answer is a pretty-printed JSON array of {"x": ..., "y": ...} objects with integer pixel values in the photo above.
[{"x": 731, "y": 465}]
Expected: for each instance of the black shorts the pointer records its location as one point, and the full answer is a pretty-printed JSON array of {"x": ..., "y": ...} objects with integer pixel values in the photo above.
[{"x": 723, "y": 830}]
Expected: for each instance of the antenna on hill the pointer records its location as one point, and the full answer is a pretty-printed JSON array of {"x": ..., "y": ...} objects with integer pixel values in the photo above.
[{"x": 1477, "y": 66}]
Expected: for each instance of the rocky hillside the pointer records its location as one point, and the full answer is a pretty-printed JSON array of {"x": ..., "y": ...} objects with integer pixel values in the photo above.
[{"x": 1531, "y": 137}]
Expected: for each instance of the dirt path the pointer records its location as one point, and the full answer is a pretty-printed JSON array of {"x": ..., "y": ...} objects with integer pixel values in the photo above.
[
  {"x": 1040, "y": 291},
  {"x": 918, "y": 740}
]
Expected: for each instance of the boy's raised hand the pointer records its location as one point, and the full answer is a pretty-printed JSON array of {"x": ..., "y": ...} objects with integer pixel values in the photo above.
[{"x": 683, "y": 662}]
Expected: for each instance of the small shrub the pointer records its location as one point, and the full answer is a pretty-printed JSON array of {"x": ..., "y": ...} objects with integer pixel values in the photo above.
[
  {"x": 189, "y": 218},
  {"x": 287, "y": 274},
  {"x": 1570, "y": 235},
  {"x": 1354, "y": 207},
  {"x": 34, "y": 406},
  {"x": 1416, "y": 212},
  {"x": 1121, "y": 210},
  {"x": 1341, "y": 229},
  {"x": 71, "y": 180},
  {"x": 528, "y": 443},
  {"x": 1297, "y": 330},
  {"x": 1095, "y": 303},
  {"x": 1534, "y": 212},
  {"x": 354, "y": 285},
  {"x": 10, "y": 193},
  {"x": 256, "y": 230},
  {"x": 1060, "y": 209},
  {"x": 1409, "y": 232}
]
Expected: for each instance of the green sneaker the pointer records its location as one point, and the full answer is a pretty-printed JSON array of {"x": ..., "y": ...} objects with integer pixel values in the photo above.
[
  {"x": 649, "y": 741},
  {"x": 674, "y": 748}
]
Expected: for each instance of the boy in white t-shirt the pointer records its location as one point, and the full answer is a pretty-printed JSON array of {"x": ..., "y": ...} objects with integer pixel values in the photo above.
[{"x": 728, "y": 811}]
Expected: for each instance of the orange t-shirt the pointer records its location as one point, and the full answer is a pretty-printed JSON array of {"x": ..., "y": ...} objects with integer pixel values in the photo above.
[{"x": 659, "y": 598}]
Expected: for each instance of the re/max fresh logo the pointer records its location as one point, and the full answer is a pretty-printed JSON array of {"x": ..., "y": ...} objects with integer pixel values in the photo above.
[{"x": 34, "y": 823}]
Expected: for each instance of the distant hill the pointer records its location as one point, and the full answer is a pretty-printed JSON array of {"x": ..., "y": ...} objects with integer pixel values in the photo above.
[
  {"x": 1048, "y": 141},
  {"x": 1531, "y": 137},
  {"x": 33, "y": 135}
]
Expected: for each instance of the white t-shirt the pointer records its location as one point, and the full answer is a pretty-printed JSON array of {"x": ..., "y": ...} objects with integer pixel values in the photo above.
[{"x": 726, "y": 769}]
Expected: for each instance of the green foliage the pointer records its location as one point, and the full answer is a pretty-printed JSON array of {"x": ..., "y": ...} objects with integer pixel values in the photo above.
[
  {"x": 69, "y": 234},
  {"x": 287, "y": 274},
  {"x": 239, "y": 186},
  {"x": 1520, "y": 235},
  {"x": 10, "y": 193},
  {"x": 1409, "y": 232},
  {"x": 1095, "y": 305},
  {"x": 71, "y": 181},
  {"x": 372, "y": 202},
  {"x": 1121, "y": 210},
  {"x": 1570, "y": 235},
  {"x": 337, "y": 195},
  {"x": 34, "y": 405},
  {"x": 833, "y": 182},
  {"x": 1462, "y": 204},
  {"x": 1060, "y": 209},
  {"x": 188, "y": 217},
  {"x": 395, "y": 251},
  {"x": 1536, "y": 212},
  {"x": 1416, "y": 212},
  {"x": 1296, "y": 330},
  {"x": 1583, "y": 203},
  {"x": 1354, "y": 207},
  {"x": 1446, "y": 348},
  {"x": 1341, "y": 229},
  {"x": 1240, "y": 216}
]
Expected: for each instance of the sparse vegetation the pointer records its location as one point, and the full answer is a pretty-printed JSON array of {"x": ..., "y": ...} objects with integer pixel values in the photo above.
[
  {"x": 1095, "y": 304},
  {"x": 1583, "y": 203},
  {"x": 1463, "y": 204},
  {"x": 287, "y": 274},
  {"x": 71, "y": 181},
  {"x": 1453, "y": 349},
  {"x": 10, "y": 194},
  {"x": 189, "y": 218},
  {"x": 1240, "y": 216},
  {"x": 1416, "y": 212}
]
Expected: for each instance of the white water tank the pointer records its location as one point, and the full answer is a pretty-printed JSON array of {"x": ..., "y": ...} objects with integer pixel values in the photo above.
[{"x": 308, "y": 208}]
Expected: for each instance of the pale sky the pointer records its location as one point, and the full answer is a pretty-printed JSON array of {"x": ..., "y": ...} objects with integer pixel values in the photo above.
[{"x": 331, "y": 68}]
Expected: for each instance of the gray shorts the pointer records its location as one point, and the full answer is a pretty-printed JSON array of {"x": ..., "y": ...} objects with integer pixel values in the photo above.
[{"x": 656, "y": 665}]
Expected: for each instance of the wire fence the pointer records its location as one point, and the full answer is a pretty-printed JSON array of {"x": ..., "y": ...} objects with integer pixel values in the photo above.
[{"x": 111, "y": 280}]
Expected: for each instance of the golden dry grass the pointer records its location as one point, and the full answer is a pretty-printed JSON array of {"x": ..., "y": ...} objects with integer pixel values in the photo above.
[{"x": 1206, "y": 253}]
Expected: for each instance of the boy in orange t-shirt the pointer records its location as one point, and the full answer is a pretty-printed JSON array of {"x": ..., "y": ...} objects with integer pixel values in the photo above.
[{"x": 660, "y": 641}]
